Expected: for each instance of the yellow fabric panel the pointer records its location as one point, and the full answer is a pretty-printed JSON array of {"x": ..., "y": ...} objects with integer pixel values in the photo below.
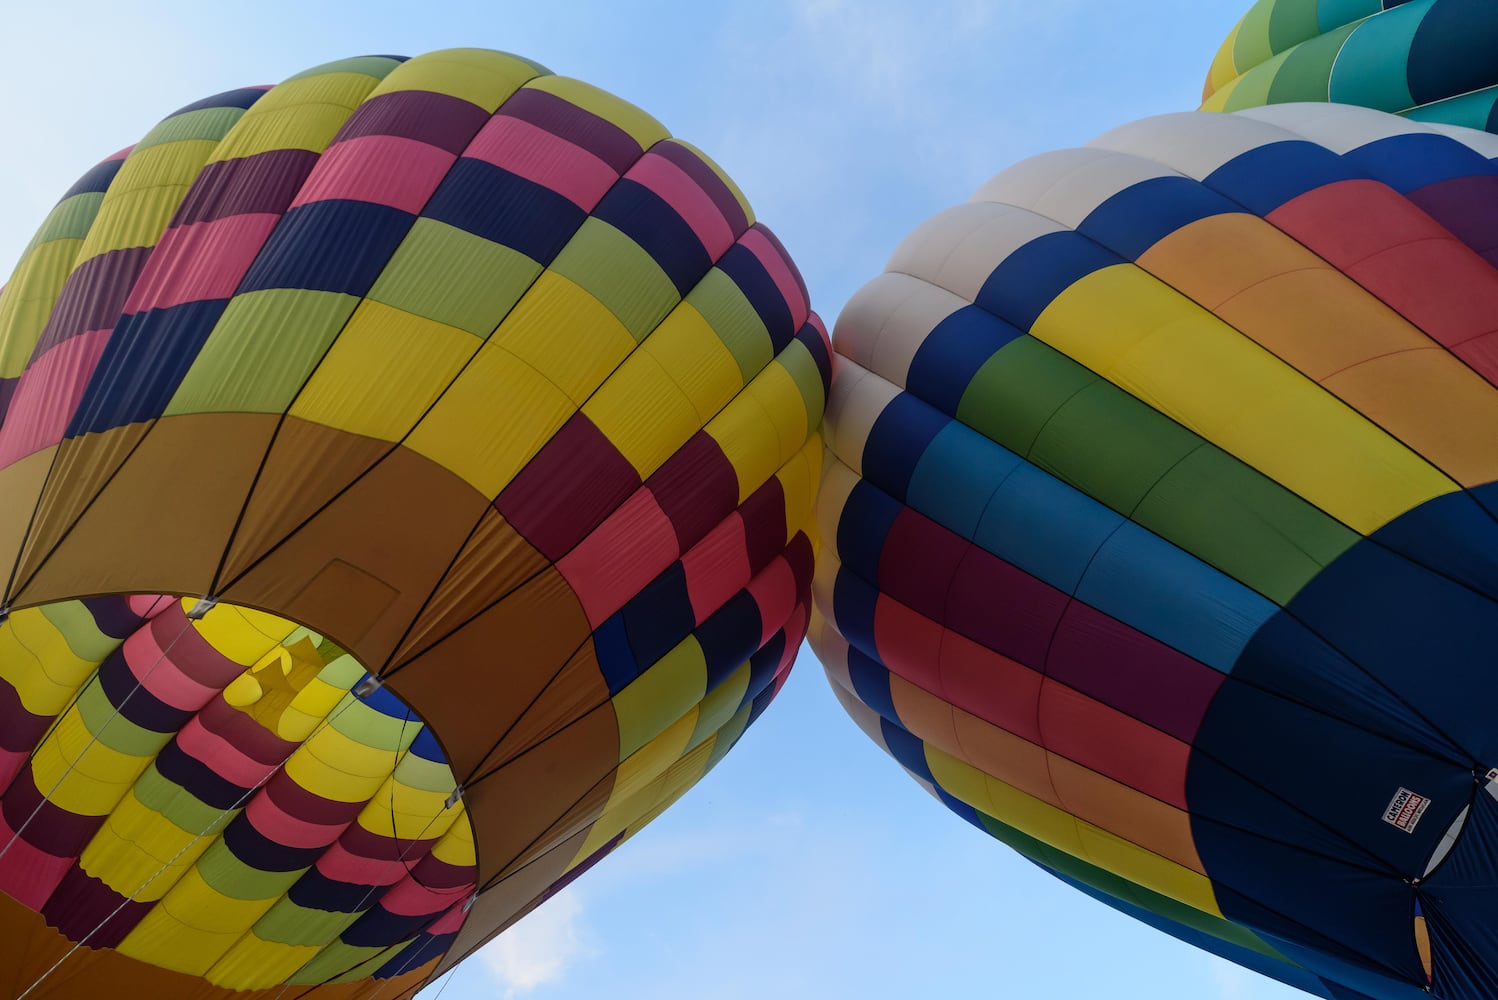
[
  {"x": 1125, "y": 812},
  {"x": 629, "y": 814},
  {"x": 297, "y": 114},
  {"x": 1223, "y": 70},
  {"x": 700, "y": 365},
  {"x": 80, "y": 774},
  {"x": 147, "y": 190},
  {"x": 140, "y": 853},
  {"x": 456, "y": 845},
  {"x": 336, "y": 767},
  {"x": 417, "y": 814},
  {"x": 36, "y": 660},
  {"x": 651, "y": 760},
  {"x": 307, "y": 710},
  {"x": 660, "y": 695},
  {"x": 743, "y": 429},
  {"x": 1218, "y": 100},
  {"x": 254, "y": 964},
  {"x": 595, "y": 344},
  {"x": 721, "y": 703},
  {"x": 728, "y": 182},
  {"x": 383, "y": 371},
  {"x": 798, "y": 481},
  {"x": 479, "y": 76},
  {"x": 1180, "y": 359},
  {"x": 243, "y": 635},
  {"x": 492, "y": 420},
  {"x": 1064, "y": 832},
  {"x": 643, "y": 413},
  {"x": 192, "y": 926},
  {"x": 28, "y": 300},
  {"x": 642, "y": 128}
]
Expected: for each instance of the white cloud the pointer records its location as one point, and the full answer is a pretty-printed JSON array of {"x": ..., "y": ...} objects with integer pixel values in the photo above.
[{"x": 538, "y": 950}]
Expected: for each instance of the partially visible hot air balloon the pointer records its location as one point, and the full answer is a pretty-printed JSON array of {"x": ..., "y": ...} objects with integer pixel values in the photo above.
[
  {"x": 1432, "y": 60},
  {"x": 405, "y": 484},
  {"x": 1161, "y": 533}
]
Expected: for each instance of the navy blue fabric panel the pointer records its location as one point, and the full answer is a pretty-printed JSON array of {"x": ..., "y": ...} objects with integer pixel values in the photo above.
[
  {"x": 1452, "y": 51},
  {"x": 198, "y": 779},
  {"x": 96, "y": 180},
  {"x": 952, "y": 353},
  {"x": 1030, "y": 278},
  {"x": 646, "y": 218},
  {"x": 867, "y": 517},
  {"x": 907, "y": 749},
  {"x": 1288, "y": 974},
  {"x": 1458, "y": 905},
  {"x": 505, "y": 208},
  {"x": 243, "y": 97},
  {"x": 329, "y": 246},
  {"x": 379, "y": 927},
  {"x": 757, "y": 707},
  {"x": 1348, "y": 979},
  {"x": 615, "y": 660},
  {"x": 744, "y": 268},
  {"x": 146, "y": 357},
  {"x": 1266, "y": 177},
  {"x": 871, "y": 683},
  {"x": 1411, "y": 161},
  {"x": 1455, "y": 535},
  {"x": 729, "y": 637},
  {"x": 257, "y": 850},
  {"x": 1329, "y": 783},
  {"x": 415, "y": 955},
  {"x": 764, "y": 663},
  {"x": 853, "y": 605},
  {"x": 316, "y": 891},
  {"x": 135, "y": 702},
  {"x": 1425, "y": 637},
  {"x": 659, "y": 617},
  {"x": 897, "y": 441},
  {"x": 1139, "y": 216},
  {"x": 811, "y": 338},
  {"x": 112, "y": 615}
]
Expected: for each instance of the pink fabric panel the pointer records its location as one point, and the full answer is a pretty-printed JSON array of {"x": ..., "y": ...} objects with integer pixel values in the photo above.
[
  {"x": 624, "y": 553},
  {"x": 774, "y": 590},
  {"x": 228, "y": 761},
  {"x": 383, "y": 169},
  {"x": 201, "y": 261},
  {"x": 545, "y": 158},
  {"x": 48, "y": 394},
  {"x": 689, "y": 201},
  {"x": 716, "y": 568},
  {"x": 758, "y": 242}
]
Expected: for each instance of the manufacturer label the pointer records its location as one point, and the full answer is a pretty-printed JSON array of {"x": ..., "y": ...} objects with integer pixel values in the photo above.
[{"x": 1405, "y": 810}]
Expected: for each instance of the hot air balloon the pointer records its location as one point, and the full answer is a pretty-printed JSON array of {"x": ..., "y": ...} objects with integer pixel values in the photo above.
[
  {"x": 1161, "y": 534},
  {"x": 406, "y": 478},
  {"x": 1432, "y": 60}
]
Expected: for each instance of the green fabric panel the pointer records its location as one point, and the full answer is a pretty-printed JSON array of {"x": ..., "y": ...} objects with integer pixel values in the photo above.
[
  {"x": 721, "y": 704},
  {"x": 1014, "y": 393},
  {"x": 1306, "y": 73},
  {"x": 262, "y": 350},
  {"x": 428, "y": 775},
  {"x": 336, "y": 959},
  {"x": 808, "y": 378},
  {"x": 618, "y": 272},
  {"x": 1244, "y": 523},
  {"x": 29, "y": 301},
  {"x": 113, "y": 730},
  {"x": 735, "y": 322},
  {"x": 1106, "y": 881},
  {"x": 1252, "y": 89},
  {"x": 288, "y": 923},
  {"x": 662, "y": 694},
  {"x": 376, "y": 730},
  {"x": 1474, "y": 110},
  {"x": 1335, "y": 13},
  {"x": 1290, "y": 24},
  {"x": 729, "y": 735},
  {"x": 222, "y": 869},
  {"x": 183, "y": 809},
  {"x": 205, "y": 123},
  {"x": 80, "y": 630},
  {"x": 70, "y": 219},
  {"x": 1252, "y": 45},
  {"x": 1372, "y": 70},
  {"x": 342, "y": 672},
  {"x": 378, "y": 67},
  {"x": 454, "y": 277}
]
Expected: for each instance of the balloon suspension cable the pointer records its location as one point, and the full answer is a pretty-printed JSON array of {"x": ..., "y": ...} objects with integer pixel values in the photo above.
[
  {"x": 233, "y": 807},
  {"x": 94, "y": 737}
]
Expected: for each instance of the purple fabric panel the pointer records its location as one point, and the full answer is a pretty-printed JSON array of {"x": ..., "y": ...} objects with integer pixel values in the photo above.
[
  {"x": 263, "y": 184},
  {"x": 192, "y": 655},
  {"x": 53, "y": 830},
  {"x": 248, "y": 736},
  {"x": 434, "y": 873},
  {"x": 81, "y": 907},
  {"x": 7, "y": 391},
  {"x": 112, "y": 615},
  {"x": 763, "y": 512},
  {"x": 1466, "y": 206},
  {"x": 602, "y": 138},
  {"x": 708, "y": 180},
  {"x": 697, "y": 488},
  {"x": 439, "y": 120},
  {"x": 296, "y": 801},
  {"x": 582, "y": 869},
  {"x": 366, "y": 843},
  {"x": 1132, "y": 672},
  {"x": 19, "y": 729},
  {"x": 93, "y": 296}
]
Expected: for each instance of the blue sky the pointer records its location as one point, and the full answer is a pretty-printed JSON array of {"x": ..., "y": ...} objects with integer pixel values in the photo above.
[{"x": 807, "y": 865}]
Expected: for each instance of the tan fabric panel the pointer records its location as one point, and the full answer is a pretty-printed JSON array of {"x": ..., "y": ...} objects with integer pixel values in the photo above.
[{"x": 20, "y": 485}]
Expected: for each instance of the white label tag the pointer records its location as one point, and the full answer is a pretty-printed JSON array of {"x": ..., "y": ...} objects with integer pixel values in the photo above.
[{"x": 1405, "y": 810}]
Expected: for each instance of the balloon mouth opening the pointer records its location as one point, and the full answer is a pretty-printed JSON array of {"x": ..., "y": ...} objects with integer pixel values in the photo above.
[{"x": 222, "y": 793}]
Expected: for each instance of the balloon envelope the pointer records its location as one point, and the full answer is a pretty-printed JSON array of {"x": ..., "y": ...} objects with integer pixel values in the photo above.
[
  {"x": 1432, "y": 60},
  {"x": 1162, "y": 533},
  {"x": 467, "y": 422}
]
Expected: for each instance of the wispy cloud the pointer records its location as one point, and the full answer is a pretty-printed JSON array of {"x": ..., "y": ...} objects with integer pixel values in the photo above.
[{"x": 539, "y": 949}]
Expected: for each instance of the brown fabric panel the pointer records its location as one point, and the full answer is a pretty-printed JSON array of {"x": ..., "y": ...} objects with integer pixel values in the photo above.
[
  {"x": 493, "y": 562},
  {"x": 161, "y": 524},
  {"x": 398, "y": 527},
  {"x": 500, "y": 907},
  {"x": 308, "y": 464},
  {"x": 577, "y": 690},
  {"x": 473, "y": 686},
  {"x": 20, "y": 488},
  {"x": 515, "y": 807},
  {"x": 577, "y": 821},
  {"x": 28, "y": 948}
]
